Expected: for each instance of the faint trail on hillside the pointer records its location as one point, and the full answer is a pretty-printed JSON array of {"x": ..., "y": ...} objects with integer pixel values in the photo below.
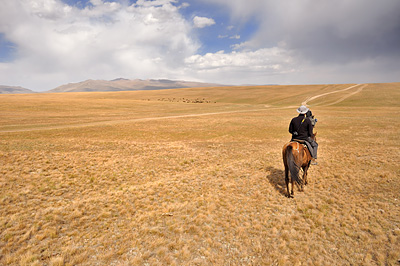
[
  {"x": 347, "y": 96},
  {"x": 114, "y": 122},
  {"x": 331, "y": 92}
]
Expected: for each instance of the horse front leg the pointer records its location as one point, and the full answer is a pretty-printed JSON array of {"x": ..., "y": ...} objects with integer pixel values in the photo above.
[{"x": 305, "y": 170}]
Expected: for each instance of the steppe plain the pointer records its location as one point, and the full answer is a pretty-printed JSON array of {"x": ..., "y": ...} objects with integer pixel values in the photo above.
[{"x": 195, "y": 177}]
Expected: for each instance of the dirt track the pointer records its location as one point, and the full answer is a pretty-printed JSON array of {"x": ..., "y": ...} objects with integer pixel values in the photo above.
[
  {"x": 104, "y": 123},
  {"x": 337, "y": 91}
]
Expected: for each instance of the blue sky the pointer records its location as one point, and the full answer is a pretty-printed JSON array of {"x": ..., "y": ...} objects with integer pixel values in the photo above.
[
  {"x": 7, "y": 49},
  {"x": 222, "y": 35},
  {"x": 47, "y": 43}
]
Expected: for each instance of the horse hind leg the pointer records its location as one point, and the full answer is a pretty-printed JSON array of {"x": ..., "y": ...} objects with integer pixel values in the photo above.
[
  {"x": 287, "y": 181},
  {"x": 292, "y": 190}
]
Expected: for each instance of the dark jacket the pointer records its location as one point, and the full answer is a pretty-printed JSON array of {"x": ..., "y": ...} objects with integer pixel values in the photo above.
[{"x": 304, "y": 129}]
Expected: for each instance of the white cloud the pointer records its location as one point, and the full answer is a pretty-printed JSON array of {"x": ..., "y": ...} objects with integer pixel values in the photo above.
[
  {"x": 257, "y": 67},
  {"x": 201, "y": 22},
  {"x": 57, "y": 43},
  {"x": 184, "y": 5},
  {"x": 236, "y": 37},
  {"x": 273, "y": 59}
]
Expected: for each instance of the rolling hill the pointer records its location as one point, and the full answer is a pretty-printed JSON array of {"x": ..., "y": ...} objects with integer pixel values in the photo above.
[
  {"x": 121, "y": 84},
  {"x": 13, "y": 90}
]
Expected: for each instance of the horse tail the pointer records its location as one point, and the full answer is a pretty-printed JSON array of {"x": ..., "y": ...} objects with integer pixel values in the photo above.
[{"x": 294, "y": 169}]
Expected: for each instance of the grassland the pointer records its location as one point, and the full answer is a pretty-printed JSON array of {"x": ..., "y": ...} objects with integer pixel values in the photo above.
[{"x": 145, "y": 178}]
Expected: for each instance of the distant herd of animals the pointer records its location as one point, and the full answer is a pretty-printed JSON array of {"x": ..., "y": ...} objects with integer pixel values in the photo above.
[{"x": 183, "y": 100}]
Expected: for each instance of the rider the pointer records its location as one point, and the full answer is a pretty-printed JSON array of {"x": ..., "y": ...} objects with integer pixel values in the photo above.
[{"x": 301, "y": 128}]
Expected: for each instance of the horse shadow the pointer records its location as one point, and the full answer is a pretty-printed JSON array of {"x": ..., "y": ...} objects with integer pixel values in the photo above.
[{"x": 276, "y": 178}]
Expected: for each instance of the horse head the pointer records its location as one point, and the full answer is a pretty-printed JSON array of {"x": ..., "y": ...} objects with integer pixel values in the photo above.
[{"x": 314, "y": 136}]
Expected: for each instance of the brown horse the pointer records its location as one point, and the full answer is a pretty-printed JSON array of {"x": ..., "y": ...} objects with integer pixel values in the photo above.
[{"x": 296, "y": 156}]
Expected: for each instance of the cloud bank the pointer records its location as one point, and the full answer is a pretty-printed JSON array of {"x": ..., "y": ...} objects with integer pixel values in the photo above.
[
  {"x": 329, "y": 41},
  {"x": 57, "y": 43},
  {"x": 296, "y": 42}
]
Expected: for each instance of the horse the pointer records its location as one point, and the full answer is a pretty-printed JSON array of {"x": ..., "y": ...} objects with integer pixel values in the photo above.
[{"x": 296, "y": 156}]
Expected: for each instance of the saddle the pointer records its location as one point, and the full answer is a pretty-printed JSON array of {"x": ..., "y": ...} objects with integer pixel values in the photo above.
[
  {"x": 302, "y": 141},
  {"x": 306, "y": 144}
]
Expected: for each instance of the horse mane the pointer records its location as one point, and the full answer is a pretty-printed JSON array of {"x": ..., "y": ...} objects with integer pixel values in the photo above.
[{"x": 314, "y": 136}]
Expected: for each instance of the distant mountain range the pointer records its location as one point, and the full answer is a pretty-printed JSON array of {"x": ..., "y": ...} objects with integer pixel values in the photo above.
[
  {"x": 13, "y": 90},
  {"x": 119, "y": 84}
]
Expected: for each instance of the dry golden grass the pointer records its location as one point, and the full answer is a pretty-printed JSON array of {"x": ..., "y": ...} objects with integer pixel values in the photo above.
[{"x": 86, "y": 180}]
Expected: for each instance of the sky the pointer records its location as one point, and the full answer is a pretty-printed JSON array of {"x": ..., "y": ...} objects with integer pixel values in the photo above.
[{"x": 48, "y": 43}]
